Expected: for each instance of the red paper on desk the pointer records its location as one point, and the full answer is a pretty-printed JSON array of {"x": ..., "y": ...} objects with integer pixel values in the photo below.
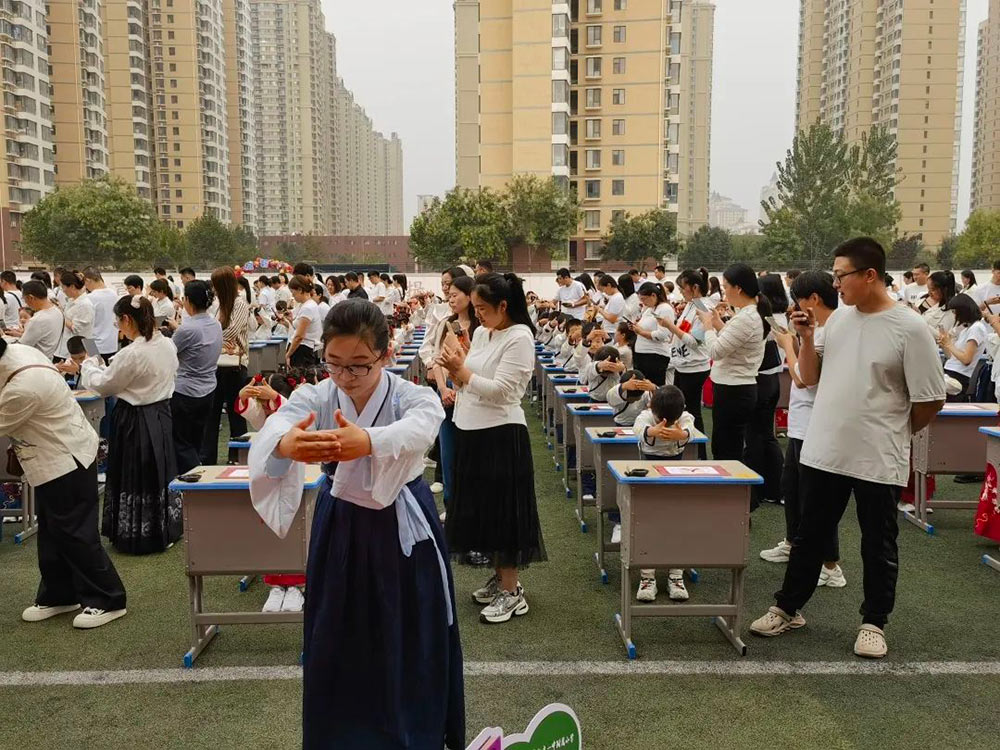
[
  {"x": 624, "y": 432},
  {"x": 691, "y": 471},
  {"x": 235, "y": 472}
]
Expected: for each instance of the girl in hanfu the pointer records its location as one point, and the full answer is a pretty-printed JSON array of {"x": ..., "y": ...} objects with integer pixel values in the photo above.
[{"x": 383, "y": 661}]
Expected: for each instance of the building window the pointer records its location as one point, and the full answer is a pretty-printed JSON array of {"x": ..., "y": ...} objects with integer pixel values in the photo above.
[
  {"x": 593, "y": 189},
  {"x": 593, "y": 158},
  {"x": 617, "y": 215},
  {"x": 674, "y": 74},
  {"x": 672, "y": 162},
  {"x": 619, "y": 34},
  {"x": 618, "y": 157},
  {"x": 621, "y": 4},
  {"x": 618, "y": 65},
  {"x": 670, "y": 191},
  {"x": 178, "y": 193},
  {"x": 171, "y": 51},
  {"x": 560, "y": 25},
  {"x": 560, "y": 154},
  {"x": 173, "y": 99},
  {"x": 617, "y": 127},
  {"x": 560, "y": 123},
  {"x": 180, "y": 209},
  {"x": 594, "y": 6},
  {"x": 593, "y": 67},
  {"x": 593, "y": 128},
  {"x": 560, "y": 92},
  {"x": 560, "y": 58},
  {"x": 675, "y": 43},
  {"x": 618, "y": 187},
  {"x": 593, "y": 36},
  {"x": 618, "y": 96},
  {"x": 592, "y": 249},
  {"x": 173, "y": 83},
  {"x": 591, "y": 219},
  {"x": 593, "y": 98},
  {"x": 175, "y": 115},
  {"x": 177, "y": 178}
]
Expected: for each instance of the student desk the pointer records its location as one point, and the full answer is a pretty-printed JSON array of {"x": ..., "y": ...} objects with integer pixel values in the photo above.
[
  {"x": 565, "y": 397},
  {"x": 398, "y": 370},
  {"x": 538, "y": 378},
  {"x": 282, "y": 344},
  {"x": 950, "y": 444},
  {"x": 223, "y": 535},
  {"x": 242, "y": 447},
  {"x": 257, "y": 357},
  {"x": 624, "y": 446},
  {"x": 92, "y": 404},
  {"x": 993, "y": 458},
  {"x": 553, "y": 376},
  {"x": 698, "y": 515},
  {"x": 29, "y": 524},
  {"x": 578, "y": 418}
]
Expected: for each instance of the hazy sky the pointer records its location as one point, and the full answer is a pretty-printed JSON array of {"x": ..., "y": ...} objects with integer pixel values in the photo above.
[{"x": 397, "y": 58}]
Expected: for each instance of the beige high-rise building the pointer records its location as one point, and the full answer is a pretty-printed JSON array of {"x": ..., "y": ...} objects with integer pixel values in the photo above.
[
  {"x": 986, "y": 142},
  {"x": 166, "y": 93},
  {"x": 869, "y": 63},
  {"x": 610, "y": 97},
  {"x": 28, "y": 169},
  {"x": 240, "y": 112}
]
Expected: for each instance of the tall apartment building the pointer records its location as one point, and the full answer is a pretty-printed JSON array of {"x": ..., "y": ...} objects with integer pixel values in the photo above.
[
  {"x": 986, "y": 142},
  {"x": 167, "y": 104},
  {"x": 868, "y": 63},
  {"x": 240, "y": 111},
  {"x": 610, "y": 97}
]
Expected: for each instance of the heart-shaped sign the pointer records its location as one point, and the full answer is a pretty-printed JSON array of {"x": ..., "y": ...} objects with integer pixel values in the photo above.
[{"x": 555, "y": 727}]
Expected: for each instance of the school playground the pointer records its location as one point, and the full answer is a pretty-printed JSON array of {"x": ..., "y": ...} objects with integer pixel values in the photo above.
[{"x": 123, "y": 686}]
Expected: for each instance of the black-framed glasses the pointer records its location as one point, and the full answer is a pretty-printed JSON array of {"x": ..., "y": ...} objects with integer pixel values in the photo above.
[
  {"x": 839, "y": 277},
  {"x": 355, "y": 371}
]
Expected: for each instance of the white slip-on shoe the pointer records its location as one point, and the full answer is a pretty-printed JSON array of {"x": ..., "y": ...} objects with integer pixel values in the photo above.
[
  {"x": 870, "y": 643},
  {"x": 437, "y": 488},
  {"x": 36, "y": 613},
  {"x": 91, "y": 617},
  {"x": 775, "y": 622},
  {"x": 777, "y": 554},
  {"x": 274, "y": 599},
  {"x": 293, "y": 601},
  {"x": 616, "y": 534}
]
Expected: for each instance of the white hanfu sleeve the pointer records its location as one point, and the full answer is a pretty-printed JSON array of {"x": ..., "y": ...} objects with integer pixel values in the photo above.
[
  {"x": 276, "y": 483},
  {"x": 398, "y": 449}
]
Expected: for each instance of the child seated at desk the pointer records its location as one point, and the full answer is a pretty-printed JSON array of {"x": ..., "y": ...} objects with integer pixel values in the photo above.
[
  {"x": 572, "y": 355},
  {"x": 546, "y": 330},
  {"x": 77, "y": 352},
  {"x": 663, "y": 429},
  {"x": 630, "y": 397},
  {"x": 625, "y": 341},
  {"x": 258, "y": 400},
  {"x": 559, "y": 337},
  {"x": 602, "y": 373}
]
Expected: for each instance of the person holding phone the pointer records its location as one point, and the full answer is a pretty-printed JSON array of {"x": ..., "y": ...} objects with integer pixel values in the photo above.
[
  {"x": 988, "y": 293},
  {"x": 609, "y": 312},
  {"x": 652, "y": 343}
]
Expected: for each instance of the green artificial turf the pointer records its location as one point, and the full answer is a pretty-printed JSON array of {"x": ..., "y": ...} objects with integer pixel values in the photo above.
[{"x": 947, "y": 610}]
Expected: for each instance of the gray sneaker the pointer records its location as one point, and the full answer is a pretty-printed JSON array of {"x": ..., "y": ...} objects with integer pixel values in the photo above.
[
  {"x": 505, "y": 606},
  {"x": 487, "y": 593}
]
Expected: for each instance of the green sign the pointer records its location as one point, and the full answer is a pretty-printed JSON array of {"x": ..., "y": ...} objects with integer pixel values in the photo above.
[{"x": 555, "y": 727}]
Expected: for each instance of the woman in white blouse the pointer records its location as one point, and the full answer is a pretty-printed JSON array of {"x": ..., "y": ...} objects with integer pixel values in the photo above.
[
  {"x": 141, "y": 515},
  {"x": 78, "y": 312},
  {"x": 652, "y": 342},
  {"x": 633, "y": 305},
  {"x": 493, "y": 508},
  {"x": 736, "y": 349},
  {"x": 162, "y": 297}
]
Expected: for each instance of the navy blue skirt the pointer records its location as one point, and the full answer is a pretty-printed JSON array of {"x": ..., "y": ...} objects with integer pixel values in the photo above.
[{"x": 382, "y": 667}]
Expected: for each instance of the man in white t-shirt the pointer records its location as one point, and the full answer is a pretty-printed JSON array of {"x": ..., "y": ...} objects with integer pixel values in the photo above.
[
  {"x": 377, "y": 291},
  {"x": 8, "y": 282},
  {"x": 916, "y": 292},
  {"x": 988, "y": 294},
  {"x": 105, "y": 326},
  {"x": 45, "y": 329},
  {"x": 572, "y": 295},
  {"x": 879, "y": 381}
]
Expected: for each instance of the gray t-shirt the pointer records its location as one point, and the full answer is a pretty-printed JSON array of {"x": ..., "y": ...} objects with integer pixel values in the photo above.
[{"x": 875, "y": 366}]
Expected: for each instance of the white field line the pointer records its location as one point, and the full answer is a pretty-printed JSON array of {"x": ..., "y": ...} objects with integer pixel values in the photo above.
[{"x": 524, "y": 669}]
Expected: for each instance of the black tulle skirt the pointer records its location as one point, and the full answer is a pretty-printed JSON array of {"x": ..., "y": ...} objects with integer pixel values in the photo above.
[{"x": 493, "y": 509}]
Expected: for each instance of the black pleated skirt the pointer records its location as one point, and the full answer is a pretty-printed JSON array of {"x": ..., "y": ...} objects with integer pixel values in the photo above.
[
  {"x": 493, "y": 508},
  {"x": 141, "y": 515}
]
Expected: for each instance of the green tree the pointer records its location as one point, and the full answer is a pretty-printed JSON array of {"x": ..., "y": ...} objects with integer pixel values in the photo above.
[
  {"x": 171, "y": 248},
  {"x": 290, "y": 251},
  {"x": 212, "y": 243},
  {"x": 946, "y": 253},
  {"x": 466, "y": 224},
  {"x": 541, "y": 213},
  {"x": 633, "y": 239},
  {"x": 746, "y": 248},
  {"x": 979, "y": 242},
  {"x": 872, "y": 178},
  {"x": 246, "y": 242},
  {"x": 98, "y": 221},
  {"x": 708, "y": 246},
  {"x": 904, "y": 251}
]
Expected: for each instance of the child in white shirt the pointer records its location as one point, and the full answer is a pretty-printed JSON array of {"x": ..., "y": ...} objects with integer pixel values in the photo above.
[
  {"x": 664, "y": 429},
  {"x": 624, "y": 341},
  {"x": 630, "y": 397},
  {"x": 602, "y": 373},
  {"x": 572, "y": 354}
]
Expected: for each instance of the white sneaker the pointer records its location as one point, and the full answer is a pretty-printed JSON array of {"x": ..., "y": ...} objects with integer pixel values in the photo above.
[
  {"x": 906, "y": 507},
  {"x": 777, "y": 554},
  {"x": 616, "y": 534},
  {"x": 91, "y": 617},
  {"x": 36, "y": 613},
  {"x": 293, "y": 601},
  {"x": 647, "y": 590},
  {"x": 833, "y": 578},
  {"x": 274, "y": 599},
  {"x": 487, "y": 593},
  {"x": 676, "y": 590},
  {"x": 443, "y": 517},
  {"x": 437, "y": 488},
  {"x": 505, "y": 606},
  {"x": 588, "y": 498}
]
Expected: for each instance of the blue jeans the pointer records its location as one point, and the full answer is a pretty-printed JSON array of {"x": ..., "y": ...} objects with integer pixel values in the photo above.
[{"x": 446, "y": 437}]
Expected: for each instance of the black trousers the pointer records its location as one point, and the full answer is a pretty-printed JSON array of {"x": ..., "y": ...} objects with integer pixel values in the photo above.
[
  {"x": 691, "y": 385},
  {"x": 964, "y": 380},
  {"x": 228, "y": 382},
  {"x": 731, "y": 415},
  {"x": 763, "y": 454},
  {"x": 653, "y": 366},
  {"x": 303, "y": 356},
  {"x": 74, "y": 566},
  {"x": 190, "y": 415},
  {"x": 791, "y": 490},
  {"x": 825, "y": 497}
]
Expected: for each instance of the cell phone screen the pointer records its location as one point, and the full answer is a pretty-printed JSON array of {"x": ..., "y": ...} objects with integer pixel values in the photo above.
[{"x": 91, "y": 347}]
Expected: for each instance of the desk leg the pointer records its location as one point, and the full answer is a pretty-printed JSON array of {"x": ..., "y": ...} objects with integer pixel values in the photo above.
[
  {"x": 599, "y": 555},
  {"x": 28, "y": 520},
  {"x": 246, "y": 582},
  {"x": 201, "y": 635},
  {"x": 991, "y": 562},
  {"x": 919, "y": 515},
  {"x": 623, "y": 620},
  {"x": 730, "y": 626}
]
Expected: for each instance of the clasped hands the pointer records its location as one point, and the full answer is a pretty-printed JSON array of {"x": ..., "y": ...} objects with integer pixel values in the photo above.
[
  {"x": 663, "y": 431},
  {"x": 346, "y": 443}
]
